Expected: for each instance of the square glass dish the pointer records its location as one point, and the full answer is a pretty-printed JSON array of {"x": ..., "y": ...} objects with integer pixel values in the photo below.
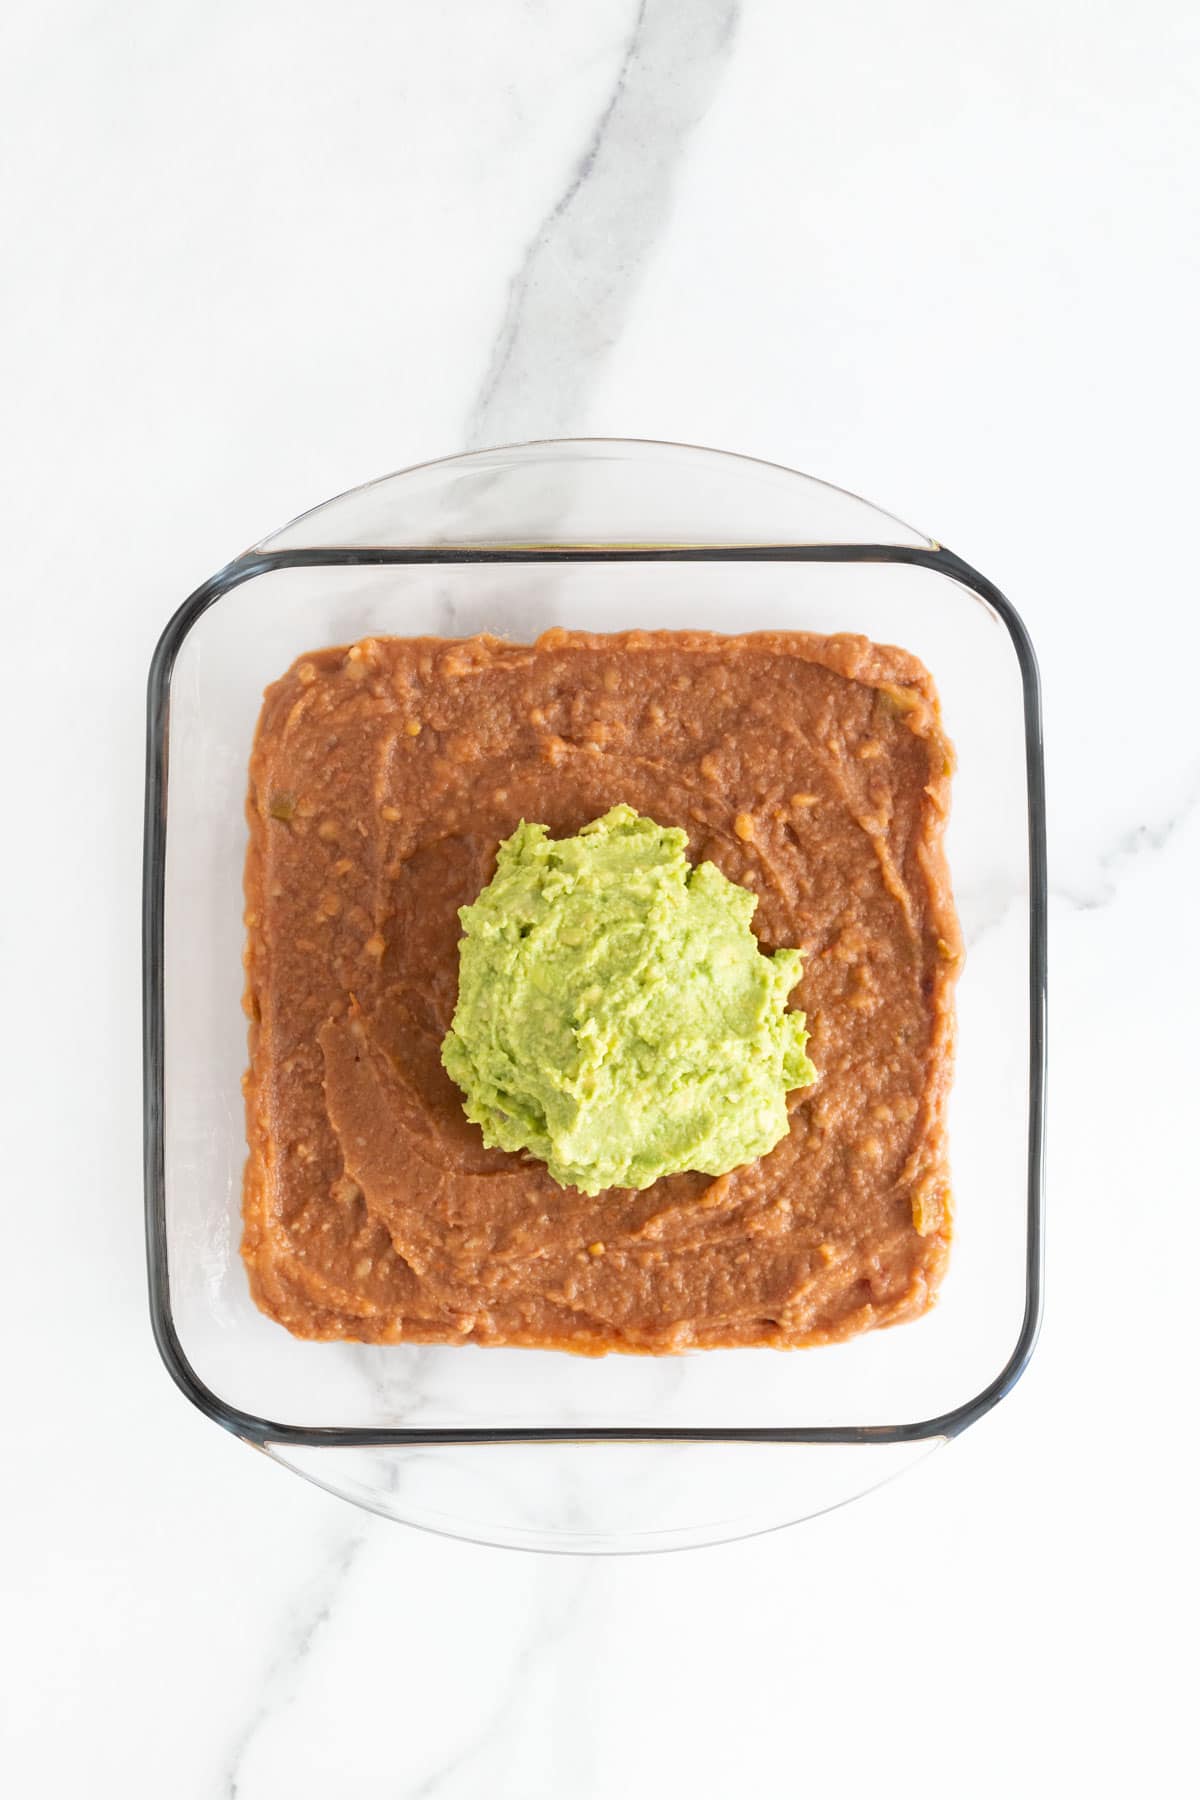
[{"x": 634, "y": 1451}]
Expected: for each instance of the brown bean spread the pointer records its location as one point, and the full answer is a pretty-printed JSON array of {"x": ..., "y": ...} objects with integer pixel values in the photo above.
[{"x": 812, "y": 770}]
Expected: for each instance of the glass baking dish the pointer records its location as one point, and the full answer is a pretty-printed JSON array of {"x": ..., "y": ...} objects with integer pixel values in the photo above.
[{"x": 539, "y": 1448}]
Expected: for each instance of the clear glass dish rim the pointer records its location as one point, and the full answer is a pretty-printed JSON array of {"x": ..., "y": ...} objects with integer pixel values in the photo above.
[{"x": 255, "y": 562}]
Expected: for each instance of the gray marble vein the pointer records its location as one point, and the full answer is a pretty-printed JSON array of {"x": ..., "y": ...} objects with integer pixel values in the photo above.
[
  {"x": 567, "y": 301},
  {"x": 985, "y": 911},
  {"x": 474, "y": 1760},
  {"x": 313, "y": 1613},
  {"x": 1131, "y": 849}
]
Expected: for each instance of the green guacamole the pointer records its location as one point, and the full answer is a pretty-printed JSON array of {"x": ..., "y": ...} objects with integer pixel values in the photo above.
[{"x": 616, "y": 1017}]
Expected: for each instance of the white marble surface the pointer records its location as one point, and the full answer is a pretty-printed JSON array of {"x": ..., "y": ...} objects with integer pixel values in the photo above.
[{"x": 942, "y": 253}]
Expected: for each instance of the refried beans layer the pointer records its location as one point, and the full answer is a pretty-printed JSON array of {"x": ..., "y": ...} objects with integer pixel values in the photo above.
[{"x": 812, "y": 770}]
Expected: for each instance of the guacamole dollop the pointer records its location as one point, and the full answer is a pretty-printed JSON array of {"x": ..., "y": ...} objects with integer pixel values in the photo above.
[{"x": 616, "y": 1017}]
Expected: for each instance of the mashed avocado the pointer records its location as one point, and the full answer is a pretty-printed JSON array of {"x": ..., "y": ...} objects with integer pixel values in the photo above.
[{"x": 615, "y": 1014}]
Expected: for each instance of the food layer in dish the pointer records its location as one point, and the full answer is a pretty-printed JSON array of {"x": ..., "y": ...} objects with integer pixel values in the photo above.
[{"x": 812, "y": 770}]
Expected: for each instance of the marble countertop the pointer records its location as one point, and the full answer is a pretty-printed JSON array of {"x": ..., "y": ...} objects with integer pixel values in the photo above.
[{"x": 942, "y": 255}]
